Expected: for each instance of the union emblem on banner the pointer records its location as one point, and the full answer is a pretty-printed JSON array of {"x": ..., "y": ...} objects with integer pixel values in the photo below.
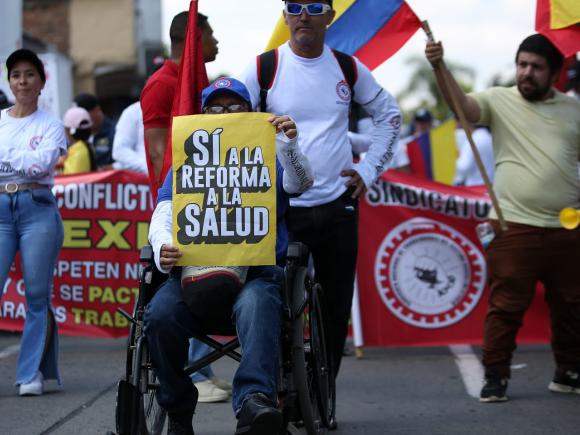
[
  {"x": 421, "y": 268},
  {"x": 428, "y": 274}
]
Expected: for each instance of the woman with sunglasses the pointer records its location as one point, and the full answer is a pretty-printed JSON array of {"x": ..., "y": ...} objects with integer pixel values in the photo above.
[{"x": 31, "y": 141}]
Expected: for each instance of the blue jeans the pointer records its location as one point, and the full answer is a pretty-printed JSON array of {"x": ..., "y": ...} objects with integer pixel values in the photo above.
[
  {"x": 257, "y": 316},
  {"x": 30, "y": 222},
  {"x": 197, "y": 350}
]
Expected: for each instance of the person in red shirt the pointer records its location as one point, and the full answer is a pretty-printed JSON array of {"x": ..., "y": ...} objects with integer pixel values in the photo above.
[{"x": 157, "y": 95}]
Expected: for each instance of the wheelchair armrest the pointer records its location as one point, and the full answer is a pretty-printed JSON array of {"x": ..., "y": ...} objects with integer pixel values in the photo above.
[
  {"x": 298, "y": 252},
  {"x": 146, "y": 254},
  {"x": 150, "y": 278}
]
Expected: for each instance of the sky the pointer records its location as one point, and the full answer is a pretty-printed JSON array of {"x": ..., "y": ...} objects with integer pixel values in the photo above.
[{"x": 481, "y": 34}]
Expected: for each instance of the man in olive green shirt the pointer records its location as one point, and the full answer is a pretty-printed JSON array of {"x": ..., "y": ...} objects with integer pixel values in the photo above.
[{"x": 536, "y": 142}]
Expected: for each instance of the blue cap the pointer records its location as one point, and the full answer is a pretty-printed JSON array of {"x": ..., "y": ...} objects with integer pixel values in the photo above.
[
  {"x": 423, "y": 115},
  {"x": 225, "y": 85}
]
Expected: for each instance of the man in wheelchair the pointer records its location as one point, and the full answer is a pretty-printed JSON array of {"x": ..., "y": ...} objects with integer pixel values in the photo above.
[{"x": 219, "y": 299}]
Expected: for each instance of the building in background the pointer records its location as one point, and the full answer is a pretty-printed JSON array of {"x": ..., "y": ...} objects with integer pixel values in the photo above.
[{"x": 110, "y": 44}]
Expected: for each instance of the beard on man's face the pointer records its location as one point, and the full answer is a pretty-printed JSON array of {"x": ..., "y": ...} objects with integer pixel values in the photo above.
[{"x": 531, "y": 90}]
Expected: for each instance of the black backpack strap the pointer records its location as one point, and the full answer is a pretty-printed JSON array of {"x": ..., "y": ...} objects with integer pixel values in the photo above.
[
  {"x": 267, "y": 65},
  {"x": 348, "y": 67}
]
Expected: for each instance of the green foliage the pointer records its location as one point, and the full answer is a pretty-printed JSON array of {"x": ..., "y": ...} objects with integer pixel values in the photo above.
[{"x": 422, "y": 88}]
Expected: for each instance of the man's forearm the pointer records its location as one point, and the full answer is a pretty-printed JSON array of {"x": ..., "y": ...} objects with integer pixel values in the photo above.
[
  {"x": 443, "y": 77},
  {"x": 156, "y": 141},
  {"x": 157, "y": 164},
  {"x": 452, "y": 93}
]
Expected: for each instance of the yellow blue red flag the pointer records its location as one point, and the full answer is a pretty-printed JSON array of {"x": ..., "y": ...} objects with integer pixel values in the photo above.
[
  {"x": 372, "y": 30},
  {"x": 433, "y": 154},
  {"x": 564, "y": 13},
  {"x": 559, "y": 21}
]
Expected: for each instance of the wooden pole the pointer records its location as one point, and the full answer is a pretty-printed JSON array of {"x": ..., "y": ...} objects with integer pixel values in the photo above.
[{"x": 466, "y": 127}]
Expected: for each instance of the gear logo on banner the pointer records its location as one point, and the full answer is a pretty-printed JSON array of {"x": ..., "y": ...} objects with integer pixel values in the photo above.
[{"x": 428, "y": 274}]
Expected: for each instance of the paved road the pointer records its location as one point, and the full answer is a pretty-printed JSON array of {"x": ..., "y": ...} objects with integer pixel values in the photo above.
[{"x": 390, "y": 391}]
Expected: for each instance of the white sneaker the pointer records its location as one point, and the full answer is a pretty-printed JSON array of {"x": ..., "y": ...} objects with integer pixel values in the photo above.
[
  {"x": 208, "y": 392},
  {"x": 222, "y": 384},
  {"x": 32, "y": 388}
]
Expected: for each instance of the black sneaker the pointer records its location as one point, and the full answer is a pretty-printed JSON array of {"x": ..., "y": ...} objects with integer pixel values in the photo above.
[
  {"x": 180, "y": 423},
  {"x": 566, "y": 381},
  {"x": 259, "y": 416},
  {"x": 494, "y": 389}
]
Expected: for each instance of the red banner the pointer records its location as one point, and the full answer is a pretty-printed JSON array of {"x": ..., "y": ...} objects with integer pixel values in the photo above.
[
  {"x": 421, "y": 269},
  {"x": 106, "y": 220}
]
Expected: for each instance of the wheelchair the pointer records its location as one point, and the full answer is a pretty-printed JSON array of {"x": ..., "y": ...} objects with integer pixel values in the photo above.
[{"x": 306, "y": 389}]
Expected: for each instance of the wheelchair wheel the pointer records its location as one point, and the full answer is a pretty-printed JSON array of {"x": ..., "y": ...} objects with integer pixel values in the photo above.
[
  {"x": 131, "y": 339},
  {"x": 151, "y": 417},
  {"x": 302, "y": 368},
  {"x": 317, "y": 357},
  {"x": 128, "y": 395}
]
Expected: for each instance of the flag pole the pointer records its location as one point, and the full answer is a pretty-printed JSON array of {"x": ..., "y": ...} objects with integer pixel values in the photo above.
[{"x": 466, "y": 127}]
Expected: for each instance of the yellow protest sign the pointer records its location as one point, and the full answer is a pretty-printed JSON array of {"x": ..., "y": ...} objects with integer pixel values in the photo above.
[{"x": 224, "y": 189}]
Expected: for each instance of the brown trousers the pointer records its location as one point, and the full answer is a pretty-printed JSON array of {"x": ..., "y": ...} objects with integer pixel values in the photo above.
[{"x": 517, "y": 260}]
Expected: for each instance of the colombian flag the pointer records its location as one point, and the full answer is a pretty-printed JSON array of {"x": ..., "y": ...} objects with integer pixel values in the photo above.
[
  {"x": 559, "y": 21},
  {"x": 433, "y": 154},
  {"x": 372, "y": 30}
]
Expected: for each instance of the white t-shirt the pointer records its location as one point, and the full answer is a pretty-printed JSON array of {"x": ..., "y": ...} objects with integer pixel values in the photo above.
[
  {"x": 30, "y": 147},
  {"x": 401, "y": 158},
  {"x": 129, "y": 142},
  {"x": 466, "y": 170},
  {"x": 361, "y": 140},
  {"x": 314, "y": 92}
]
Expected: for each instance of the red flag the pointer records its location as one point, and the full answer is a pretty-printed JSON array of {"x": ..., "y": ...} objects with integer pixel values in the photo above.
[
  {"x": 192, "y": 78},
  {"x": 562, "y": 82},
  {"x": 567, "y": 40}
]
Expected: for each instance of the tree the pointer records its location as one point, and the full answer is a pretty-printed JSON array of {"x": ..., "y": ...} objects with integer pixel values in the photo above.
[{"x": 422, "y": 87}]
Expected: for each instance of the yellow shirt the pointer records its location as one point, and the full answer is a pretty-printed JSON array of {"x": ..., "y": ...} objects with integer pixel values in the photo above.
[
  {"x": 536, "y": 148},
  {"x": 78, "y": 159}
]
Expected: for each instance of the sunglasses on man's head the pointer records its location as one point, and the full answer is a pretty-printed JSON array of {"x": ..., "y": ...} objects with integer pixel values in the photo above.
[
  {"x": 232, "y": 108},
  {"x": 311, "y": 8}
]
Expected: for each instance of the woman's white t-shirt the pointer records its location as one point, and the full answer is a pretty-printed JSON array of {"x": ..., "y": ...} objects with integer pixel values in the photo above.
[{"x": 30, "y": 147}]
